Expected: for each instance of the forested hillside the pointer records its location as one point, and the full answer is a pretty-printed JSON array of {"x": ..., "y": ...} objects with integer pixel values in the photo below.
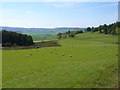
[
  {"x": 112, "y": 29},
  {"x": 12, "y": 39}
]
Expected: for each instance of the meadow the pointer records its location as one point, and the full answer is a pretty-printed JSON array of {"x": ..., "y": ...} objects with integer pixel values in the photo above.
[
  {"x": 89, "y": 60},
  {"x": 0, "y": 68}
]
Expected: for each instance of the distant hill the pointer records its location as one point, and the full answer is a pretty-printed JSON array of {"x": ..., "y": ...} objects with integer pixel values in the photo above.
[
  {"x": 40, "y": 32},
  {"x": 37, "y": 29},
  {"x": 71, "y": 28},
  {"x": 19, "y": 29}
]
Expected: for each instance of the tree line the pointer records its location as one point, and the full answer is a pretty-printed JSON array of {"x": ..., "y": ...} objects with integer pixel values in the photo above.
[
  {"x": 69, "y": 33},
  {"x": 113, "y": 29},
  {"x": 10, "y": 38}
]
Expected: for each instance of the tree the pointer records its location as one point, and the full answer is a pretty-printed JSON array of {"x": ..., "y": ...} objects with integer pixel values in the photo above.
[
  {"x": 113, "y": 28},
  {"x": 78, "y": 31},
  {"x": 117, "y": 30},
  {"x": 59, "y": 35},
  {"x": 72, "y": 34},
  {"x": 64, "y": 36},
  {"x": 68, "y": 32},
  {"x": 113, "y": 32},
  {"x": 88, "y": 29},
  {"x": 94, "y": 29},
  {"x": 105, "y": 29},
  {"x": 100, "y": 29},
  {"x": 12, "y": 38}
]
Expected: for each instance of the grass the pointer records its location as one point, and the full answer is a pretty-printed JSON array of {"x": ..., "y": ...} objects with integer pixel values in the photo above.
[
  {"x": 0, "y": 68},
  {"x": 93, "y": 64},
  {"x": 35, "y": 38}
]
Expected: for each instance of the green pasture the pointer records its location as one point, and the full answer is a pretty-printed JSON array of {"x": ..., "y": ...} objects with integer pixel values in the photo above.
[
  {"x": 0, "y": 69},
  {"x": 86, "y": 61}
]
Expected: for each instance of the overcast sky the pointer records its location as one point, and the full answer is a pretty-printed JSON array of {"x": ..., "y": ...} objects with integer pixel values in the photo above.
[{"x": 58, "y": 14}]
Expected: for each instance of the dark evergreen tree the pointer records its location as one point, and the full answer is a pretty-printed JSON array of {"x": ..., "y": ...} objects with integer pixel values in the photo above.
[{"x": 12, "y": 38}]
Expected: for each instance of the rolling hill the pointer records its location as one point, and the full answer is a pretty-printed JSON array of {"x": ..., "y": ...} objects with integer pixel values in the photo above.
[{"x": 39, "y": 33}]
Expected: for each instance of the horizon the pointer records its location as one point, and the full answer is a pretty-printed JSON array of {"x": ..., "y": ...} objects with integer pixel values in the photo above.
[
  {"x": 42, "y": 27},
  {"x": 58, "y": 14},
  {"x": 55, "y": 27}
]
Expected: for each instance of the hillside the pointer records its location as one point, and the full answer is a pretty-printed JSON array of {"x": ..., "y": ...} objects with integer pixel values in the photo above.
[
  {"x": 10, "y": 38},
  {"x": 90, "y": 60},
  {"x": 39, "y": 33}
]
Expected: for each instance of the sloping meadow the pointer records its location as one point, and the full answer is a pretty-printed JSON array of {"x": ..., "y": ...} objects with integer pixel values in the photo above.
[{"x": 86, "y": 61}]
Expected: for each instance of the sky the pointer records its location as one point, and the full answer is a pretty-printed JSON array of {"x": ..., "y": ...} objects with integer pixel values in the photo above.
[{"x": 57, "y": 14}]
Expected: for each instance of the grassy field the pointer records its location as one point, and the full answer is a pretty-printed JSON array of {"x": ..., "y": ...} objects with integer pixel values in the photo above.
[
  {"x": 35, "y": 38},
  {"x": 41, "y": 34},
  {"x": 0, "y": 68},
  {"x": 86, "y": 61}
]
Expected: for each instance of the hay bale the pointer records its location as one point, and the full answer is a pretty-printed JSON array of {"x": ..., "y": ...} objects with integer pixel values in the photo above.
[
  {"x": 63, "y": 54},
  {"x": 102, "y": 68},
  {"x": 116, "y": 54},
  {"x": 70, "y": 55},
  {"x": 97, "y": 52},
  {"x": 30, "y": 54}
]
